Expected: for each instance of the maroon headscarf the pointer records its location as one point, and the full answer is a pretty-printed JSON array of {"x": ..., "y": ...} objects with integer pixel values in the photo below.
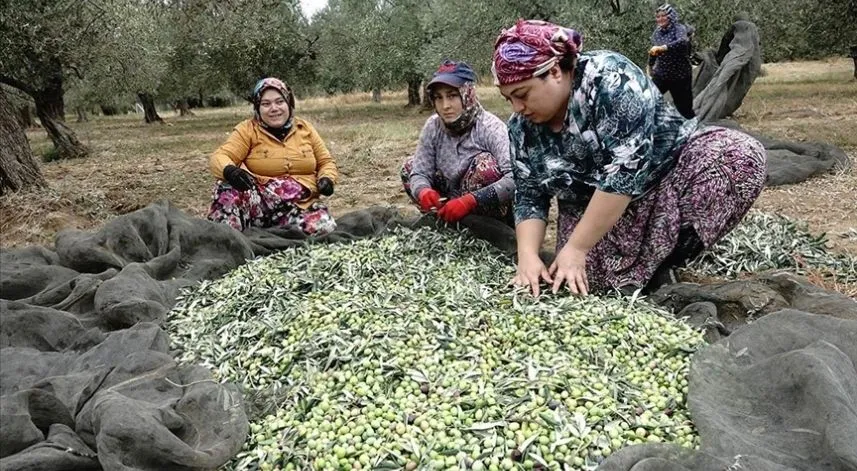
[{"x": 530, "y": 48}]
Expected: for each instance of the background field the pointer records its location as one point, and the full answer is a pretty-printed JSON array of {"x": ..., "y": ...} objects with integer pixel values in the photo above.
[{"x": 133, "y": 164}]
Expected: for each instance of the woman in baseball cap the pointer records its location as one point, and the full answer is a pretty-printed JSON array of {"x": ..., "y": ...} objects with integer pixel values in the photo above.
[{"x": 461, "y": 165}]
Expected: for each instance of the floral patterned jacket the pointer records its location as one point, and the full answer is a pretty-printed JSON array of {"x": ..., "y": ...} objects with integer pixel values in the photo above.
[{"x": 620, "y": 136}]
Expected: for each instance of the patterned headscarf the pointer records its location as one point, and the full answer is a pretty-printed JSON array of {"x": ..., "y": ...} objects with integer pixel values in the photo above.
[
  {"x": 671, "y": 13},
  {"x": 531, "y": 48},
  {"x": 285, "y": 91},
  {"x": 672, "y": 31},
  {"x": 459, "y": 75}
]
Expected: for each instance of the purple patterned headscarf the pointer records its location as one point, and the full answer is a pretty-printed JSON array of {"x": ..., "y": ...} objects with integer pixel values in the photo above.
[{"x": 531, "y": 48}]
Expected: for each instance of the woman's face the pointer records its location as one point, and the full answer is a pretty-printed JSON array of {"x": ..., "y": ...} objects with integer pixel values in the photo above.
[
  {"x": 662, "y": 19},
  {"x": 540, "y": 99},
  {"x": 273, "y": 108},
  {"x": 447, "y": 102}
]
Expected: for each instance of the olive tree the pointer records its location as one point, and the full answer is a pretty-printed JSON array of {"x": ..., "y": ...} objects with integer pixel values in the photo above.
[
  {"x": 18, "y": 167},
  {"x": 42, "y": 41}
]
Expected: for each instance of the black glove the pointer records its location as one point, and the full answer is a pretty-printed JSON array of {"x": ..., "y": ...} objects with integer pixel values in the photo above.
[
  {"x": 325, "y": 186},
  {"x": 239, "y": 178}
]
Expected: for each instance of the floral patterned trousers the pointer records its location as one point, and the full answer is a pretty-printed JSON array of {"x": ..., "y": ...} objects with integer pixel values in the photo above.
[{"x": 270, "y": 204}]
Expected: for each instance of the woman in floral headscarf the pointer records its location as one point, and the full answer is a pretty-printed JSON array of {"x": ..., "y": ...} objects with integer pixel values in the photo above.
[
  {"x": 669, "y": 59},
  {"x": 462, "y": 161},
  {"x": 640, "y": 189},
  {"x": 273, "y": 168}
]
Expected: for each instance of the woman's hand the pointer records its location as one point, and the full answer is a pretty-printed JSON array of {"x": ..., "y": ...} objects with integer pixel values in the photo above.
[
  {"x": 657, "y": 50},
  {"x": 570, "y": 267},
  {"x": 429, "y": 199},
  {"x": 601, "y": 214},
  {"x": 531, "y": 271},
  {"x": 239, "y": 178},
  {"x": 454, "y": 210},
  {"x": 325, "y": 186}
]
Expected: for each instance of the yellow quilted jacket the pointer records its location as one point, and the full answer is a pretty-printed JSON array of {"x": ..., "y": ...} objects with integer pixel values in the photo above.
[{"x": 302, "y": 155}]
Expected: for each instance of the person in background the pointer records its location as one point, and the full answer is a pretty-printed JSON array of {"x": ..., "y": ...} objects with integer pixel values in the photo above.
[
  {"x": 669, "y": 59},
  {"x": 461, "y": 165},
  {"x": 273, "y": 168},
  {"x": 640, "y": 189}
]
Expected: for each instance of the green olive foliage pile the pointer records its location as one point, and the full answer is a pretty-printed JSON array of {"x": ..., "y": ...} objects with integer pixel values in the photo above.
[
  {"x": 410, "y": 351},
  {"x": 765, "y": 241}
]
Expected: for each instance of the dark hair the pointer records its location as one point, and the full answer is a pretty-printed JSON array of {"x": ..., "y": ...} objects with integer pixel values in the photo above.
[
  {"x": 432, "y": 89},
  {"x": 566, "y": 64}
]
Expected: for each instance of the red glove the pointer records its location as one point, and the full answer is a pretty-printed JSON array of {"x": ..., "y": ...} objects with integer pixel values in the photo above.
[
  {"x": 456, "y": 209},
  {"x": 429, "y": 199}
]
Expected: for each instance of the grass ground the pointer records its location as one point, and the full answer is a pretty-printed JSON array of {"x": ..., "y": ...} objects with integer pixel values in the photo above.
[
  {"x": 814, "y": 101},
  {"x": 133, "y": 164}
]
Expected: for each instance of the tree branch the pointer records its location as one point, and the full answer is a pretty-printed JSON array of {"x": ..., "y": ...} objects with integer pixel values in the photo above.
[
  {"x": 76, "y": 70},
  {"x": 12, "y": 82}
]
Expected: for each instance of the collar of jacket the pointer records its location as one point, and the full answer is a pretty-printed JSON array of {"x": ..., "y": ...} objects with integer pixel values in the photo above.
[{"x": 297, "y": 123}]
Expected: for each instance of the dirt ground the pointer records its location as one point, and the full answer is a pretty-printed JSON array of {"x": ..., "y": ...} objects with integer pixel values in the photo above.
[
  {"x": 811, "y": 101},
  {"x": 133, "y": 164}
]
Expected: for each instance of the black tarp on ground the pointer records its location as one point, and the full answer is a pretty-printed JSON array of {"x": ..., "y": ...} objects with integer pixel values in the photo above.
[
  {"x": 87, "y": 382},
  {"x": 721, "y": 308},
  {"x": 86, "y": 378},
  {"x": 725, "y": 76},
  {"x": 777, "y": 395},
  {"x": 722, "y": 81}
]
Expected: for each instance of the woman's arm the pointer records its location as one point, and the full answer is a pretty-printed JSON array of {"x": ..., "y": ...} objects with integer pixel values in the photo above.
[
  {"x": 325, "y": 166},
  {"x": 682, "y": 41},
  {"x": 601, "y": 214},
  {"x": 233, "y": 152},
  {"x": 424, "y": 164},
  {"x": 531, "y": 269},
  {"x": 496, "y": 142},
  {"x": 531, "y": 207},
  {"x": 530, "y": 235}
]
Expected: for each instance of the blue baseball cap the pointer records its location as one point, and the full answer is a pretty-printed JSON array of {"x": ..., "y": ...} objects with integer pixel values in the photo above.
[{"x": 454, "y": 74}]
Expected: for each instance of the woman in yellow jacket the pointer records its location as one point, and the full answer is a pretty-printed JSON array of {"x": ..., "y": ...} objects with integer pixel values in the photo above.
[{"x": 273, "y": 168}]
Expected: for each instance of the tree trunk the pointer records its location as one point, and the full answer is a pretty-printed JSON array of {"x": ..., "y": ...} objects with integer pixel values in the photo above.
[
  {"x": 376, "y": 95},
  {"x": 414, "y": 91},
  {"x": 50, "y": 109},
  {"x": 148, "y": 102},
  {"x": 18, "y": 167},
  {"x": 49, "y": 102},
  {"x": 51, "y": 99},
  {"x": 184, "y": 108},
  {"x": 25, "y": 118},
  {"x": 854, "y": 56},
  {"x": 81, "y": 114},
  {"x": 427, "y": 104}
]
